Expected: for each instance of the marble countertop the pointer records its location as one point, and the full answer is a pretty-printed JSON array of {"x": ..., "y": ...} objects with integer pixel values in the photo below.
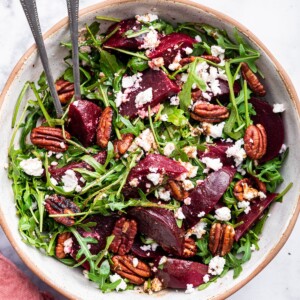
[{"x": 275, "y": 22}]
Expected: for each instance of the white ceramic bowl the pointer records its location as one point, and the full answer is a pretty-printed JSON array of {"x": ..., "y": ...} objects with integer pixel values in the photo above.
[{"x": 70, "y": 282}]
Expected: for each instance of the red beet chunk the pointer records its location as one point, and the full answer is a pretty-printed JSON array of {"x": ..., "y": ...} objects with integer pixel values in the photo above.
[
  {"x": 119, "y": 40},
  {"x": 218, "y": 150},
  {"x": 57, "y": 173},
  {"x": 83, "y": 120},
  {"x": 224, "y": 95},
  {"x": 177, "y": 273},
  {"x": 164, "y": 165},
  {"x": 206, "y": 195},
  {"x": 273, "y": 125},
  {"x": 145, "y": 254},
  {"x": 160, "y": 225},
  {"x": 170, "y": 45},
  {"x": 257, "y": 209},
  {"x": 103, "y": 229},
  {"x": 162, "y": 88}
]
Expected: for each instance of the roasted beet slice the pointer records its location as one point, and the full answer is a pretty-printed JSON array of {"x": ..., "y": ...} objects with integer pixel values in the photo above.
[
  {"x": 206, "y": 195},
  {"x": 103, "y": 229},
  {"x": 83, "y": 119},
  {"x": 145, "y": 254},
  {"x": 224, "y": 95},
  {"x": 170, "y": 45},
  {"x": 161, "y": 88},
  {"x": 177, "y": 273},
  {"x": 257, "y": 209},
  {"x": 160, "y": 225},
  {"x": 273, "y": 125},
  {"x": 119, "y": 40},
  {"x": 137, "y": 177},
  {"x": 57, "y": 173},
  {"x": 218, "y": 150}
]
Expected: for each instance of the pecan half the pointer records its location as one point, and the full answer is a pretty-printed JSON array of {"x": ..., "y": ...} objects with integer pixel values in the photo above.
[
  {"x": 221, "y": 238},
  {"x": 248, "y": 189},
  {"x": 57, "y": 204},
  {"x": 121, "y": 146},
  {"x": 255, "y": 141},
  {"x": 124, "y": 266},
  {"x": 155, "y": 285},
  {"x": 189, "y": 247},
  {"x": 188, "y": 60},
  {"x": 105, "y": 127},
  {"x": 252, "y": 80},
  {"x": 124, "y": 232},
  {"x": 65, "y": 90},
  {"x": 210, "y": 113},
  {"x": 177, "y": 191},
  {"x": 197, "y": 95},
  {"x": 49, "y": 138},
  {"x": 59, "y": 249}
]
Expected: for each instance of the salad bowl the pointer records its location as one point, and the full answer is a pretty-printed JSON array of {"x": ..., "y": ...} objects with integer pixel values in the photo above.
[{"x": 69, "y": 281}]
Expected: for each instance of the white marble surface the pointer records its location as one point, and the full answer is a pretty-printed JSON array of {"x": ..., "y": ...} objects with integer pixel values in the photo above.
[{"x": 275, "y": 22}]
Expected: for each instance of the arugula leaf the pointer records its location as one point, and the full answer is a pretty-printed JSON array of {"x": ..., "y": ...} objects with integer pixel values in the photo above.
[
  {"x": 109, "y": 64},
  {"x": 175, "y": 115}
]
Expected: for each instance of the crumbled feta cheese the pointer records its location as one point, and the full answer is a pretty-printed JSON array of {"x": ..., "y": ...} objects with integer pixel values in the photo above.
[
  {"x": 143, "y": 97},
  {"x": 191, "y": 151},
  {"x": 78, "y": 188},
  {"x": 187, "y": 201},
  {"x": 34, "y": 205},
  {"x": 120, "y": 98},
  {"x": 156, "y": 63},
  {"x": 216, "y": 265},
  {"x": 32, "y": 166},
  {"x": 154, "y": 246},
  {"x": 145, "y": 140},
  {"x": 253, "y": 248},
  {"x": 187, "y": 184},
  {"x": 217, "y": 51},
  {"x": 201, "y": 214},
  {"x": 223, "y": 214},
  {"x": 150, "y": 40},
  {"x": 189, "y": 289},
  {"x": 174, "y": 100},
  {"x": 283, "y": 148},
  {"x": 122, "y": 285},
  {"x": 184, "y": 77},
  {"x": 175, "y": 65},
  {"x": 198, "y": 230},
  {"x": 163, "y": 260},
  {"x": 62, "y": 145},
  {"x": 214, "y": 131},
  {"x": 261, "y": 195},
  {"x": 135, "y": 262},
  {"x": 81, "y": 179},
  {"x": 206, "y": 278},
  {"x": 59, "y": 155},
  {"x": 127, "y": 81},
  {"x": 179, "y": 214},
  {"x": 53, "y": 181},
  {"x": 198, "y": 38},
  {"x": 278, "y": 108},
  {"x": 153, "y": 170},
  {"x": 241, "y": 170},
  {"x": 147, "y": 18},
  {"x": 237, "y": 152},
  {"x": 244, "y": 205},
  {"x": 68, "y": 245},
  {"x": 188, "y": 50},
  {"x": 164, "y": 117},
  {"x": 169, "y": 148},
  {"x": 164, "y": 194},
  {"x": 69, "y": 180},
  {"x": 50, "y": 153},
  {"x": 212, "y": 163},
  {"x": 54, "y": 163},
  {"x": 154, "y": 177},
  {"x": 146, "y": 247}
]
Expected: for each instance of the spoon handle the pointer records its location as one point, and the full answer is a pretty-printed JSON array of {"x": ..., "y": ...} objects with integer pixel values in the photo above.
[
  {"x": 73, "y": 6},
  {"x": 30, "y": 10}
]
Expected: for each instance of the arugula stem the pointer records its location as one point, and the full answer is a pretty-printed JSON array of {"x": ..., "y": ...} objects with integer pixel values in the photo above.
[
  {"x": 152, "y": 128},
  {"x": 247, "y": 117},
  {"x": 129, "y": 52},
  {"x": 105, "y": 18},
  {"x": 17, "y": 106}
]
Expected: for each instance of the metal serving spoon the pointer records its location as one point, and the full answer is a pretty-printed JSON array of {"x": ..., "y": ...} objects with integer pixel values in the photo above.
[
  {"x": 30, "y": 10},
  {"x": 73, "y": 6}
]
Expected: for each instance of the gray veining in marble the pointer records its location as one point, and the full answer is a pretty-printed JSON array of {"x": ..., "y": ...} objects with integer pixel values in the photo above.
[{"x": 275, "y": 22}]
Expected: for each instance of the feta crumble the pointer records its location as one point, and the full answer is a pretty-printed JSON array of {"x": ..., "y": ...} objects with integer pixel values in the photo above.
[
  {"x": 150, "y": 39},
  {"x": 214, "y": 131},
  {"x": 120, "y": 98},
  {"x": 122, "y": 285},
  {"x": 187, "y": 201},
  {"x": 278, "y": 108},
  {"x": 174, "y": 100},
  {"x": 190, "y": 151},
  {"x": 244, "y": 205},
  {"x": 68, "y": 245},
  {"x": 146, "y": 247},
  {"x": 164, "y": 117},
  {"x": 206, "y": 278},
  {"x": 188, "y": 50},
  {"x": 143, "y": 98},
  {"x": 216, "y": 265},
  {"x": 154, "y": 177},
  {"x": 147, "y": 18},
  {"x": 69, "y": 181},
  {"x": 135, "y": 262},
  {"x": 179, "y": 214},
  {"x": 189, "y": 289},
  {"x": 191, "y": 170},
  {"x": 53, "y": 181},
  {"x": 163, "y": 260},
  {"x": 237, "y": 152},
  {"x": 198, "y": 38},
  {"x": 283, "y": 148},
  {"x": 198, "y": 230},
  {"x": 187, "y": 184},
  {"x": 145, "y": 140},
  {"x": 169, "y": 148},
  {"x": 223, "y": 214},
  {"x": 201, "y": 214},
  {"x": 164, "y": 194},
  {"x": 212, "y": 164},
  {"x": 32, "y": 166},
  {"x": 175, "y": 65}
]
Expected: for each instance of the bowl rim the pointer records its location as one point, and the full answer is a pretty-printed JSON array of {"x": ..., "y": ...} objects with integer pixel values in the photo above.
[{"x": 282, "y": 73}]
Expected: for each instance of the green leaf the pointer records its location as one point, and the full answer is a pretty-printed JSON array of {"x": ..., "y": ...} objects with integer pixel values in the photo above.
[
  {"x": 175, "y": 115},
  {"x": 137, "y": 64},
  {"x": 109, "y": 64},
  {"x": 68, "y": 75}
]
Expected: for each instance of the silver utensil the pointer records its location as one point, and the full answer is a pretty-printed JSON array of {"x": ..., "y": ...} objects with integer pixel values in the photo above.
[
  {"x": 73, "y": 6},
  {"x": 30, "y": 10}
]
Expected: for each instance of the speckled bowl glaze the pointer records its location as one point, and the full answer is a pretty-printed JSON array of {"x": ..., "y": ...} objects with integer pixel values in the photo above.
[{"x": 70, "y": 282}]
